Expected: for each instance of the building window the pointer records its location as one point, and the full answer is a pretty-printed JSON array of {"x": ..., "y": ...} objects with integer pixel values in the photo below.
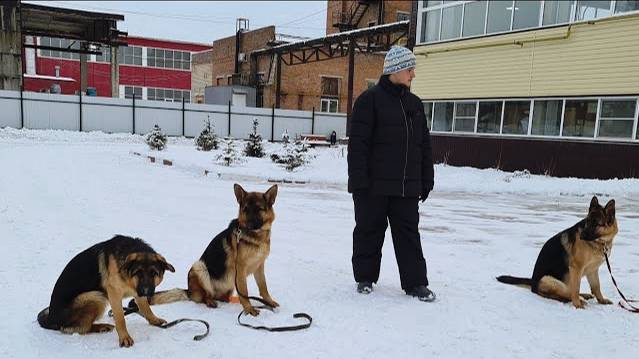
[
  {"x": 218, "y": 80},
  {"x": 579, "y": 118},
  {"x": 557, "y": 12},
  {"x": 443, "y": 116},
  {"x": 526, "y": 14},
  {"x": 130, "y": 55},
  {"x": 451, "y": 22},
  {"x": 626, "y": 5},
  {"x": 329, "y": 101},
  {"x": 428, "y": 112},
  {"x": 547, "y": 117},
  {"x": 588, "y": 10},
  {"x": 617, "y": 118},
  {"x": 130, "y": 91},
  {"x": 516, "y": 117},
  {"x": 168, "y": 95},
  {"x": 62, "y": 44},
  {"x": 105, "y": 56},
  {"x": 168, "y": 59},
  {"x": 465, "y": 116},
  {"x": 489, "y": 120},
  {"x": 474, "y": 18},
  {"x": 442, "y": 20},
  {"x": 403, "y": 16},
  {"x": 329, "y": 105}
]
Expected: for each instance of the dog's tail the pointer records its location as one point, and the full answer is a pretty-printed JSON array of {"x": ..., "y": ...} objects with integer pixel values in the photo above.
[
  {"x": 45, "y": 320},
  {"x": 515, "y": 280},
  {"x": 169, "y": 296}
]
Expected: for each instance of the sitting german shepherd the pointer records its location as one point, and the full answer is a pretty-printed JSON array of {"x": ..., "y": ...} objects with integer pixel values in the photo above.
[
  {"x": 572, "y": 254},
  {"x": 244, "y": 246},
  {"x": 105, "y": 273}
]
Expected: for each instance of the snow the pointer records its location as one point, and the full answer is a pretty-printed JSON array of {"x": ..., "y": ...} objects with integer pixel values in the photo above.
[{"x": 64, "y": 191}]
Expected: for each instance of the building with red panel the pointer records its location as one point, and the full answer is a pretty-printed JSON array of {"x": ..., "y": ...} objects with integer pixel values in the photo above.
[{"x": 149, "y": 69}]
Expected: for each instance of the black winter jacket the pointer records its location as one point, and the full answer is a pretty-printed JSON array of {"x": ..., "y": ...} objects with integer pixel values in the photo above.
[{"x": 389, "y": 151}]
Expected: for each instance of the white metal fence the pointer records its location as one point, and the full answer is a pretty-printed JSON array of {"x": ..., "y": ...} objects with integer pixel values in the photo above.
[{"x": 112, "y": 115}]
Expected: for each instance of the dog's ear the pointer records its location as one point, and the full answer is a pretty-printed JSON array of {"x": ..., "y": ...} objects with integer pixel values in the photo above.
[
  {"x": 270, "y": 195},
  {"x": 594, "y": 204},
  {"x": 240, "y": 193},
  {"x": 165, "y": 264},
  {"x": 130, "y": 262},
  {"x": 610, "y": 210}
]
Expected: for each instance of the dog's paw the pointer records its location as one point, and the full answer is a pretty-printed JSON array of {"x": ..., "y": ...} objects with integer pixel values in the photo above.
[
  {"x": 252, "y": 311},
  {"x": 126, "y": 341},
  {"x": 604, "y": 301},
  {"x": 272, "y": 303},
  {"x": 101, "y": 328},
  {"x": 581, "y": 304},
  {"x": 210, "y": 302},
  {"x": 586, "y": 296},
  {"x": 157, "y": 321}
]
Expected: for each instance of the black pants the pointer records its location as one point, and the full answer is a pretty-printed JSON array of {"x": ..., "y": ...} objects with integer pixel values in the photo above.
[{"x": 372, "y": 214}]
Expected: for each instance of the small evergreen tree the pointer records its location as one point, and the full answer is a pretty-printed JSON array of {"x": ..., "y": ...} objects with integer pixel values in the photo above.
[
  {"x": 208, "y": 139},
  {"x": 254, "y": 145},
  {"x": 229, "y": 155},
  {"x": 156, "y": 139},
  {"x": 285, "y": 137},
  {"x": 292, "y": 156}
]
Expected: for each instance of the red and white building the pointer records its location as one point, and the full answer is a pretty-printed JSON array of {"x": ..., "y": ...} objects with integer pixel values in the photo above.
[{"x": 149, "y": 69}]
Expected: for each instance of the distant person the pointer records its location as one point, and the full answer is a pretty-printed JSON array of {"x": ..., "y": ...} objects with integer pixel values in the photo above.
[
  {"x": 333, "y": 138},
  {"x": 390, "y": 169}
]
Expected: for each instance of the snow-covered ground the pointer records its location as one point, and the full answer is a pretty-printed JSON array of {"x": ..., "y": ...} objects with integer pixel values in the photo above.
[{"x": 61, "y": 192}]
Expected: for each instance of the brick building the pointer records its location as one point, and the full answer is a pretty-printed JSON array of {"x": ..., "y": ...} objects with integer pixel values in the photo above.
[
  {"x": 149, "y": 69},
  {"x": 318, "y": 85}
]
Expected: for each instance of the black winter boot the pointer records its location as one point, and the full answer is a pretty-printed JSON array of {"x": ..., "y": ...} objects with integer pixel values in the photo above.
[
  {"x": 422, "y": 293},
  {"x": 364, "y": 287}
]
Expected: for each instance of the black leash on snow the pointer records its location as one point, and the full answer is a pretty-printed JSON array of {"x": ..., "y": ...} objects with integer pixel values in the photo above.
[
  {"x": 288, "y": 328},
  {"x": 133, "y": 308},
  {"x": 625, "y": 302}
]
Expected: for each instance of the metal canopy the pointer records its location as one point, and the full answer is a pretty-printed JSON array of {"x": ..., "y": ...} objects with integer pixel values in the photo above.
[{"x": 91, "y": 27}]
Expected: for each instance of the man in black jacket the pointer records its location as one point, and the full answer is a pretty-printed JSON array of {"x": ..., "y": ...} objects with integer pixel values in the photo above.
[{"x": 390, "y": 168}]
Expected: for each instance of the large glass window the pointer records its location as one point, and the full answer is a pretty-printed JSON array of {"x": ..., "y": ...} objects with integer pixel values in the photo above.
[
  {"x": 617, "y": 118},
  {"x": 579, "y": 118},
  {"x": 474, "y": 18},
  {"x": 588, "y": 10},
  {"x": 557, "y": 11},
  {"x": 443, "y": 116},
  {"x": 430, "y": 25},
  {"x": 428, "y": 112},
  {"x": 489, "y": 119},
  {"x": 451, "y": 22},
  {"x": 526, "y": 14},
  {"x": 170, "y": 59},
  {"x": 465, "y": 116},
  {"x": 547, "y": 117},
  {"x": 626, "y": 5},
  {"x": 130, "y": 55},
  {"x": 516, "y": 117},
  {"x": 130, "y": 91},
  {"x": 499, "y": 14}
]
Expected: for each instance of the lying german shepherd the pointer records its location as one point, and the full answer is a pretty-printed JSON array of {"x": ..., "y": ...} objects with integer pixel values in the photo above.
[
  {"x": 244, "y": 245},
  {"x": 572, "y": 254},
  {"x": 105, "y": 273}
]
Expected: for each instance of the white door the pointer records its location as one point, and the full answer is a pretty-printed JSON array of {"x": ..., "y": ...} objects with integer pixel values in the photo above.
[{"x": 239, "y": 99}]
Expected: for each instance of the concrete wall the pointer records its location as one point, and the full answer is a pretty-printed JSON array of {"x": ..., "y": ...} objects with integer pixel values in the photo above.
[
  {"x": 221, "y": 95},
  {"x": 113, "y": 115}
]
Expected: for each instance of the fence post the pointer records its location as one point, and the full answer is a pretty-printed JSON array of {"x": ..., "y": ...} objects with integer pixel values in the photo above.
[
  {"x": 80, "y": 108},
  {"x": 183, "y": 116},
  {"x": 21, "y": 106},
  {"x": 273, "y": 123},
  {"x": 229, "y": 119},
  {"x": 313, "y": 122},
  {"x": 133, "y": 128}
]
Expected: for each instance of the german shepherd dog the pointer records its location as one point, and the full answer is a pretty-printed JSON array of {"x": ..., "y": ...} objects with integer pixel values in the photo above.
[
  {"x": 244, "y": 246},
  {"x": 105, "y": 273},
  {"x": 572, "y": 254}
]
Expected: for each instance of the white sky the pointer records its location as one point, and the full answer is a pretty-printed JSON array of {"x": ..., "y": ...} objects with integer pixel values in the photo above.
[{"x": 206, "y": 21}]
